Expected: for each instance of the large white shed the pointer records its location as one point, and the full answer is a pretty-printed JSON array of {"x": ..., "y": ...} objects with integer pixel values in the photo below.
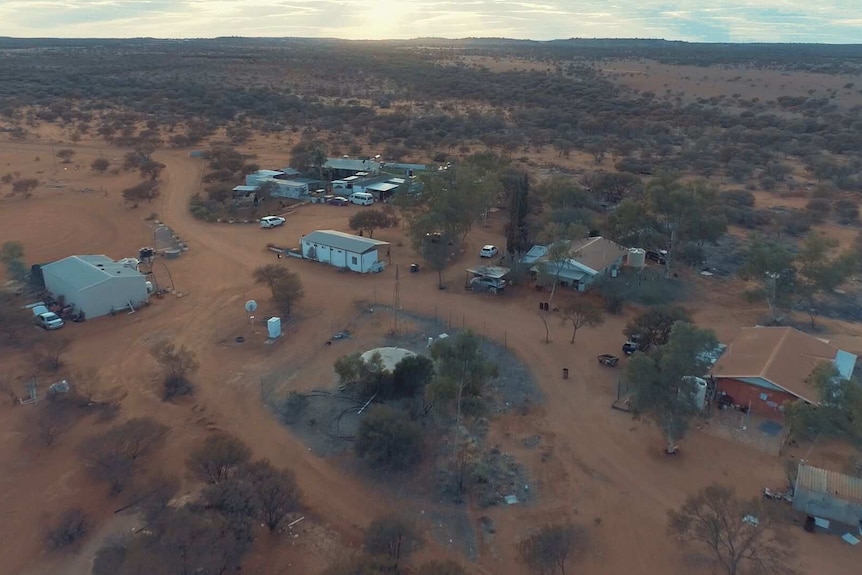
[
  {"x": 356, "y": 253},
  {"x": 95, "y": 284}
]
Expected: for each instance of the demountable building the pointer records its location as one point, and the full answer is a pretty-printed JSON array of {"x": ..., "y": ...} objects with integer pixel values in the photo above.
[
  {"x": 95, "y": 284},
  {"x": 356, "y": 253}
]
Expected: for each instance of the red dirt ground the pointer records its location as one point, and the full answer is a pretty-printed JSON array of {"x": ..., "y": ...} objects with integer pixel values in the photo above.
[{"x": 602, "y": 464}]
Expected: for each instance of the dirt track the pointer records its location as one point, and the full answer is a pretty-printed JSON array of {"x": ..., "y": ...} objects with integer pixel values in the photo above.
[{"x": 603, "y": 464}]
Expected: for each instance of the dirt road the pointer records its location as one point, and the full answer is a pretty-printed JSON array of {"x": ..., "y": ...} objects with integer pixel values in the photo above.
[{"x": 604, "y": 470}]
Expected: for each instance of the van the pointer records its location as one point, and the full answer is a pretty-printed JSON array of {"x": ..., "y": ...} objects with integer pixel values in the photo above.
[{"x": 361, "y": 198}]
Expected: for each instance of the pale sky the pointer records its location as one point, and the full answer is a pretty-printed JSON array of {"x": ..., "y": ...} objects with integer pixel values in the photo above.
[{"x": 819, "y": 21}]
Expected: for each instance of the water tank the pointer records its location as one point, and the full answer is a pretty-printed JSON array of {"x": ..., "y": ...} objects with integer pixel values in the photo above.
[
  {"x": 146, "y": 254},
  {"x": 150, "y": 288},
  {"x": 699, "y": 391},
  {"x": 172, "y": 253},
  {"x": 273, "y": 327},
  {"x": 636, "y": 258}
]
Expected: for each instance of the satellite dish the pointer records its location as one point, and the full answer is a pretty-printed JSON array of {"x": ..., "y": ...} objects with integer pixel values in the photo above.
[{"x": 250, "y": 306}]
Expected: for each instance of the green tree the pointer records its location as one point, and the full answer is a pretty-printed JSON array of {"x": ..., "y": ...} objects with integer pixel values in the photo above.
[
  {"x": 285, "y": 285},
  {"x": 771, "y": 265},
  {"x": 652, "y": 327},
  {"x": 462, "y": 370},
  {"x": 818, "y": 271},
  {"x": 516, "y": 186},
  {"x": 367, "y": 221},
  {"x": 309, "y": 154},
  {"x": 582, "y": 312},
  {"x": 662, "y": 381},
  {"x": 388, "y": 439},
  {"x": 411, "y": 376},
  {"x": 741, "y": 536},
  {"x": 12, "y": 256},
  {"x": 838, "y": 412}
]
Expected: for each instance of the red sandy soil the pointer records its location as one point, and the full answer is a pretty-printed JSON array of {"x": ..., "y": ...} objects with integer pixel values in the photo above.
[{"x": 601, "y": 463}]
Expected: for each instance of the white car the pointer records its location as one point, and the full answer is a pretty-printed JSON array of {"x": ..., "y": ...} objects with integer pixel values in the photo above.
[
  {"x": 271, "y": 221},
  {"x": 489, "y": 251},
  {"x": 49, "y": 320}
]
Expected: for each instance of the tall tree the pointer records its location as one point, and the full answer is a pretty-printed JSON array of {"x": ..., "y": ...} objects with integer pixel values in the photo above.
[
  {"x": 652, "y": 327},
  {"x": 285, "y": 285},
  {"x": 462, "y": 369},
  {"x": 741, "y": 536},
  {"x": 559, "y": 239},
  {"x": 771, "y": 265},
  {"x": 662, "y": 381},
  {"x": 838, "y": 413},
  {"x": 367, "y": 221},
  {"x": 819, "y": 271},
  {"x": 516, "y": 186}
]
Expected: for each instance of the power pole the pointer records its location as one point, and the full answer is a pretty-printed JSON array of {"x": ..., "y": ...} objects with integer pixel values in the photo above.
[{"x": 397, "y": 298}]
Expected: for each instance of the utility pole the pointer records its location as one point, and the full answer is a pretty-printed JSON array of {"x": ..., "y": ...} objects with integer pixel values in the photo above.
[{"x": 397, "y": 298}]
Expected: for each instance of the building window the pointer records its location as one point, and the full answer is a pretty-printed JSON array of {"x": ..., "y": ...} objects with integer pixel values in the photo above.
[{"x": 355, "y": 260}]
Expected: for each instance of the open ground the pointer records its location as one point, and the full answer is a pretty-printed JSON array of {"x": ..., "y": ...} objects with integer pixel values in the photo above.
[{"x": 587, "y": 462}]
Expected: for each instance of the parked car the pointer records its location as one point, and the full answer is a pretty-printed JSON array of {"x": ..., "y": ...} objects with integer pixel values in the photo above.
[
  {"x": 271, "y": 221},
  {"x": 338, "y": 201},
  {"x": 635, "y": 343},
  {"x": 489, "y": 251},
  {"x": 49, "y": 320},
  {"x": 658, "y": 256},
  {"x": 492, "y": 285}
]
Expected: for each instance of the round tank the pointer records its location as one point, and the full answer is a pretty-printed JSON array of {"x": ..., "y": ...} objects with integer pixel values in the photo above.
[
  {"x": 636, "y": 258},
  {"x": 145, "y": 254},
  {"x": 699, "y": 391}
]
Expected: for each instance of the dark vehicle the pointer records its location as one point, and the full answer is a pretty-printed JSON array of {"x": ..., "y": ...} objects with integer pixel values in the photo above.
[
  {"x": 337, "y": 201},
  {"x": 659, "y": 256},
  {"x": 634, "y": 344},
  {"x": 609, "y": 360}
]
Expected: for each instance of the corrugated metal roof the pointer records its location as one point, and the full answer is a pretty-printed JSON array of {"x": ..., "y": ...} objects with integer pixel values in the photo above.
[
  {"x": 830, "y": 483},
  {"x": 351, "y": 164},
  {"x": 82, "y": 272},
  {"x": 384, "y": 187},
  {"x": 343, "y": 241}
]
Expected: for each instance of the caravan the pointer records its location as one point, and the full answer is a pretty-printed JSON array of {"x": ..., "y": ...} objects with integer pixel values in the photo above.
[{"x": 361, "y": 198}]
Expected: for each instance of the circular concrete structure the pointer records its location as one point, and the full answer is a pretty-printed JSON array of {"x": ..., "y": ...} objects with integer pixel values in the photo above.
[{"x": 390, "y": 356}]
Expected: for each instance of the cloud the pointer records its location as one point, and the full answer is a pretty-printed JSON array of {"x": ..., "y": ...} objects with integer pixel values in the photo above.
[{"x": 837, "y": 21}]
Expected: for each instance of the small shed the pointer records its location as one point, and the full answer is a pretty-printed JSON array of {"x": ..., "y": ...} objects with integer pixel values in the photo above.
[
  {"x": 95, "y": 284},
  {"x": 342, "y": 250},
  {"x": 828, "y": 495}
]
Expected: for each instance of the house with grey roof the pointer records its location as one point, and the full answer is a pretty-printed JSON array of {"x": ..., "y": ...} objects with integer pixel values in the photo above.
[
  {"x": 346, "y": 251},
  {"x": 95, "y": 284}
]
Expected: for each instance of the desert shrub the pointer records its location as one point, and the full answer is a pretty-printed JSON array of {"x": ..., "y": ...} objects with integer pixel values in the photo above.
[
  {"x": 411, "y": 375},
  {"x": 114, "y": 455},
  {"x": 392, "y": 537},
  {"x": 218, "y": 457},
  {"x": 768, "y": 183},
  {"x": 691, "y": 254},
  {"x": 737, "y": 198},
  {"x": 388, "y": 439},
  {"x": 551, "y": 547},
  {"x": 178, "y": 364},
  {"x": 795, "y": 222},
  {"x": 846, "y": 212},
  {"x": 818, "y": 208},
  {"x": 70, "y": 527},
  {"x": 293, "y": 407},
  {"x": 276, "y": 491}
]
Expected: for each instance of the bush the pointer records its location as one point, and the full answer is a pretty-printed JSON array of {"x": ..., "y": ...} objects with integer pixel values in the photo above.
[
  {"x": 846, "y": 212},
  {"x": 392, "y": 537},
  {"x": 737, "y": 198},
  {"x": 818, "y": 208},
  {"x": 388, "y": 439},
  {"x": 178, "y": 364},
  {"x": 293, "y": 407},
  {"x": 216, "y": 459},
  {"x": 411, "y": 375},
  {"x": 71, "y": 526}
]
